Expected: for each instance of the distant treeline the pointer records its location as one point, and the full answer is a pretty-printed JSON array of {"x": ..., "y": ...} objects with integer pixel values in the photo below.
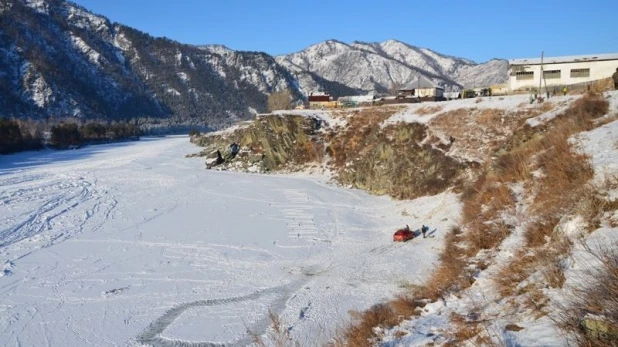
[
  {"x": 18, "y": 135},
  {"x": 15, "y": 138}
]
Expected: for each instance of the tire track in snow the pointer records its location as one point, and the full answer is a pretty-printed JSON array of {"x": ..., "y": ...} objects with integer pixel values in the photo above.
[{"x": 152, "y": 334}]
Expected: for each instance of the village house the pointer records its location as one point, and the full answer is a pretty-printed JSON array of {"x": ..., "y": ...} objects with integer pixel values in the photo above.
[
  {"x": 525, "y": 74},
  {"x": 417, "y": 90},
  {"x": 319, "y": 100},
  {"x": 422, "y": 88}
]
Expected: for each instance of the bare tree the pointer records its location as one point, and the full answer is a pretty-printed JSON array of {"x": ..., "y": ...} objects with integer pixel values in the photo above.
[
  {"x": 280, "y": 100},
  {"x": 394, "y": 88}
]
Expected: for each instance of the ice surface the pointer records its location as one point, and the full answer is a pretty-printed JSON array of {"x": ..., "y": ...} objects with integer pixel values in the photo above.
[{"x": 131, "y": 242}]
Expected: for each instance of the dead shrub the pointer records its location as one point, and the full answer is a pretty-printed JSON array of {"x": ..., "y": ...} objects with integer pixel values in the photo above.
[{"x": 386, "y": 315}]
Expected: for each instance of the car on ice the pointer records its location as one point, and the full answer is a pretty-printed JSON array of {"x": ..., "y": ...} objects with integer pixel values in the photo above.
[{"x": 403, "y": 235}]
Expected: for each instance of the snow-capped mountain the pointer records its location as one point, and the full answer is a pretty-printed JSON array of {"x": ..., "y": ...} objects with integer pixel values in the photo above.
[
  {"x": 59, "y": 60},
  {"x": 378, "y": 66}
]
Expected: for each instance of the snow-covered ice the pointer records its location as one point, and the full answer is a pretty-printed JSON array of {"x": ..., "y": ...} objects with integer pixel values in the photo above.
[{"x": 131, "y": 242}]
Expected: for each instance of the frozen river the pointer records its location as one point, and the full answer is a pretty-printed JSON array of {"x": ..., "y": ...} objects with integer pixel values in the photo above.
[{"x": 133, "y": 243}]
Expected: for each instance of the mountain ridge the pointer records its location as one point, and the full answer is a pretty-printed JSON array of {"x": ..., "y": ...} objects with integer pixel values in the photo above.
[{"x": 58, "y": 60}]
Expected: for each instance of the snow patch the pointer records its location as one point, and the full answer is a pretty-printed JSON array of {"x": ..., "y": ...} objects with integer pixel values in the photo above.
[
  {"x": 172, "y": 91},
  {"x": 93, "y": 56},
  {"x": 39, "y": 6},
  {"x": 183, "y": 77}
]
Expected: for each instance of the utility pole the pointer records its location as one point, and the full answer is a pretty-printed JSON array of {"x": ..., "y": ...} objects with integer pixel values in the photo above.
[
  {"x": 418, "y": 86},
  {"x": 542, "y": 77}
]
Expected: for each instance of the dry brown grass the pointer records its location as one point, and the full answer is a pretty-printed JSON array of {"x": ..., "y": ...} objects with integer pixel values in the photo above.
[
  {"x": 425, "y": 110},
  {"x": 514, "y": 273},
  {"x": 592, "y": 316},
  {"x": 479, "y": 132},
  {"x": 602, "y": 85},
  {"x": 535, "y": 301},
  {"x": 451, "y": 273},
  {"x": 545, "y": 107},
  {"x": 563, "y": 189},
  {"x": 361, "y": 332},
  {"x": 565, "y": 172},
  {"x": 590, "y": 106},
  {"x": 472, "y": 333},
  {"x": 308, "y": 150},
  {"x": 464, "y": 330},
  {"x": 514, "y": 166},
  {"x": 483, "y": 202},
  {"x": 558, "y": 192}
]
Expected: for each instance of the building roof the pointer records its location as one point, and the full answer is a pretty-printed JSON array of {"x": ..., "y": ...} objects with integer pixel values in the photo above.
[
  {"x": 565, "y": 59},
  {"x": 423, "y": 83}
]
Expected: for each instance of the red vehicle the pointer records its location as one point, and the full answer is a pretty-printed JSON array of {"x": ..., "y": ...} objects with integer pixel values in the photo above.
[{"x": 403, "y": 235}]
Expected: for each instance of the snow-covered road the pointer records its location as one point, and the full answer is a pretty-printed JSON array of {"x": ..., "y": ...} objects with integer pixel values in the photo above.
[{"x": 133, "y": 243}]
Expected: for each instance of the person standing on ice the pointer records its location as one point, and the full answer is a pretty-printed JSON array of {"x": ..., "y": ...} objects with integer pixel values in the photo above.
[{"x": 424, "y": 230}]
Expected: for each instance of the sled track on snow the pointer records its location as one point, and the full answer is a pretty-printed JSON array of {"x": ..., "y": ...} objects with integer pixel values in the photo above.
[{"x": 152, "y": 334}]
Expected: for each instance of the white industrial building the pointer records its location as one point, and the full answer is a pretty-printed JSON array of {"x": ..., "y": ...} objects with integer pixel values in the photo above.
[{"x": 525, "y": 74}]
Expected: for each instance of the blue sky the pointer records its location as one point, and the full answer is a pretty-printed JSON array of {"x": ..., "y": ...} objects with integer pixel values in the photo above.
[{"x": 477, "y": 30}]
